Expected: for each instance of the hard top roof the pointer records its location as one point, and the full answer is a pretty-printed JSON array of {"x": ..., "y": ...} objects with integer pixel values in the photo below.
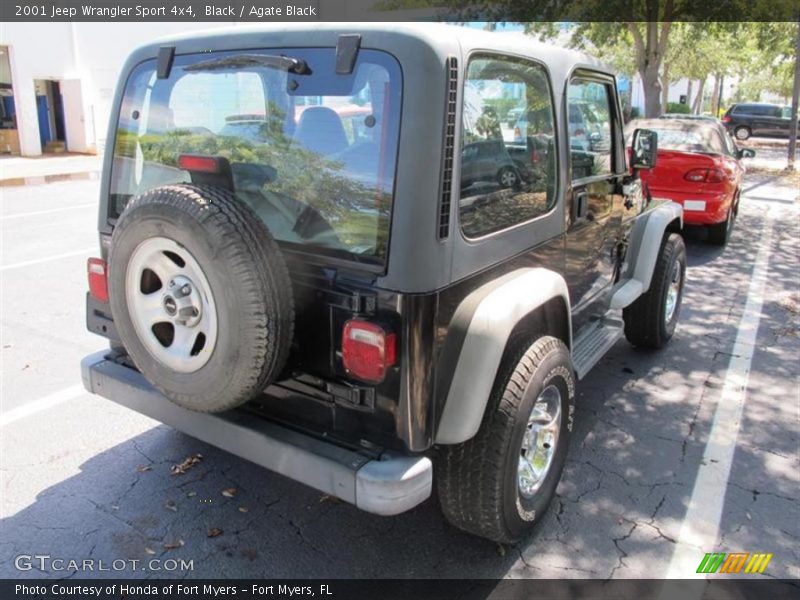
[{"x": 436, "y": 35}]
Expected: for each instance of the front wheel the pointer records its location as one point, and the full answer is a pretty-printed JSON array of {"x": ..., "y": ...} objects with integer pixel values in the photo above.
[
  {"x": 650, "y": 321},
  {"x": 499, "y": 484}
]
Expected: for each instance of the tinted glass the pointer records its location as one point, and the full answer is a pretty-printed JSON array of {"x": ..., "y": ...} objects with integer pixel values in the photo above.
[
  {"x": 508, "y": 170},
  {"x": 313, "y": 154},
  {"x": 590, "y": 139}
]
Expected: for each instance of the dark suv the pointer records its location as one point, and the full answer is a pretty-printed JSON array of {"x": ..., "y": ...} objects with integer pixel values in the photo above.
[
  {"x": 758, "y": 120},
  {"x": 329, "y": 291}
]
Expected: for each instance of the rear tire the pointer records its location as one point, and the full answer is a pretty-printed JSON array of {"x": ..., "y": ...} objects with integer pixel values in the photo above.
[
  {"x": 720, "y": 233},
  {"x": 650, "y": 321},
  {"x": 742, "y": 133},
  {"x": 200, "y": 295},
  {"x": 482, "y": 485}
]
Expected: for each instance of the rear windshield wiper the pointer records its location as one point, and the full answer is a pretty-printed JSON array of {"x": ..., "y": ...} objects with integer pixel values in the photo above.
[{"x": 298, "y": 66}]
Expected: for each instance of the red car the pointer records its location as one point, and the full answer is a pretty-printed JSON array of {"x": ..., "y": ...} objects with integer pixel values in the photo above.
[{"x": 698, "y": 166}]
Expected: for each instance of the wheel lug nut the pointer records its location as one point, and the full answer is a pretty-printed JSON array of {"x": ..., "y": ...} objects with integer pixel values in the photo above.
[{"x": 186, "y": 290}]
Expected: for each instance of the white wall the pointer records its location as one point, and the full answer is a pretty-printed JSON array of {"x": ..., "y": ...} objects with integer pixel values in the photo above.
[{"x": 90, "y": 56}]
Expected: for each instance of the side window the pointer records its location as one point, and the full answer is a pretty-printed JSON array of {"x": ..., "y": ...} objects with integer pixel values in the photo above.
[
  {"x": 508, "y": 156},
  {"x": 590, "y": 138}
]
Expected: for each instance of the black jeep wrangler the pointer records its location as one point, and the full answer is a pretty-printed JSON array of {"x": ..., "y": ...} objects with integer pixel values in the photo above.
[{"x": 295, "y": 266}]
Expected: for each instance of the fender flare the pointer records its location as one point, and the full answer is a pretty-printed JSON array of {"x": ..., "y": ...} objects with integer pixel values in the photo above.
[
  {"x": 495, "y": 310},
  {"x": 645, "y": 241}
]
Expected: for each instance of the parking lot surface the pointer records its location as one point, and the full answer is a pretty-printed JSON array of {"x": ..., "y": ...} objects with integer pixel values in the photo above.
[{"x": 676, "y": 453}]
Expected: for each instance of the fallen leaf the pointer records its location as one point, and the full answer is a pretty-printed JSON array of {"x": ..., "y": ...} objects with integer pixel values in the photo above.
[
  {"x": 149, "y": 550},
  {"x": 174, "y": 545},
  {"x": 191, "y": 494},
  {"x": 143, "y": 468},
  {"x": 243, "y": 509},
  {"x": 187, "y": 464},
  {"x": 229, "y": 492},
  {"x": 214, "y": 532},
  {"x": 501, "y": 550},
  {"x": 328, "y": 498},
  {"x": 170, "y": 505}
]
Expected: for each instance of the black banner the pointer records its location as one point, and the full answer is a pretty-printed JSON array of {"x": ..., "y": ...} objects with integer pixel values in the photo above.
[
  {"x": 399, "y": 589},
  {"x": 397, "y": 10}
]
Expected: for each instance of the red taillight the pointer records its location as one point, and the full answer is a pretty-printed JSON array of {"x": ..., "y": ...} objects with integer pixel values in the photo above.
[
  {"x": 98, "y": 279},
  {"x": 726, "y": 119},
  {"x": 705, "y": 176},
  {"x": 203, "y": 164},
  {"x": 579, "y": 131},
  {"x": 367, "y": 350}
]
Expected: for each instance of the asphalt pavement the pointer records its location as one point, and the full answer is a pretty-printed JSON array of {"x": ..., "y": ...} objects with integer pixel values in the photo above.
[{"x": 675, "y": 453}]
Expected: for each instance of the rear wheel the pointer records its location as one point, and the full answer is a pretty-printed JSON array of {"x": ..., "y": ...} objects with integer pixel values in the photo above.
[
  {"x": 499, "y": 484},
  {"x": 720, "y": 233},
  {"x": 200, "y": 296},
  {"x": 742, "y": 132},
  {"x": 650, "y": 321},
  {"x": 507, "y": 177}
]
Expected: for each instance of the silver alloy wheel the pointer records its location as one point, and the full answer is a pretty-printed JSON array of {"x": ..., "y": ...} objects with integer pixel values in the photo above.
[
  {"x": 539, "y": 442},
  {"x": 508, "y": 178},
  {"x": 673, "y": 292},
  {"x": 171, "y": 305},
  {"x": 742, "y": 133}
]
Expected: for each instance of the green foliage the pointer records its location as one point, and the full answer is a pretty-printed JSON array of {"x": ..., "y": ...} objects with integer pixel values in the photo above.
[{"x": 678, "y": 108}]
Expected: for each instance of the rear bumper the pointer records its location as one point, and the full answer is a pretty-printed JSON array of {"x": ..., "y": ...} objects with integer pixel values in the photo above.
[
  {"x": 699, "y": 209},
  {"x": 388, "y": 485}
]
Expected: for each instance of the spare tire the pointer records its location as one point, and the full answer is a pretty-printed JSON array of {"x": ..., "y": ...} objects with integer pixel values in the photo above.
[{"x": 200, "y": 295}]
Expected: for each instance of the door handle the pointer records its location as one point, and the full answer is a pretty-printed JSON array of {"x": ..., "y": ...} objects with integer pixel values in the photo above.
[{"x": 581, "y": 204}]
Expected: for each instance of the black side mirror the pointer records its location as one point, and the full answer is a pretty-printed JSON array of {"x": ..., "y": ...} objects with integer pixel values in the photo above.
[
  {"x": 745, "y": 153},
  {"x": 645, "y": 149}
]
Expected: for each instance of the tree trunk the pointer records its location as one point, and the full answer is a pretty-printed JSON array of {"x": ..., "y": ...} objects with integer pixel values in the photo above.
[
  {"x": 715, "y": 96},
  {"x": 698, "y": 101},
  {"x": 650, "y": 51},
  {"x": 689, "y": 93},
  {"x": 790, "y": 158},
  {"x": 665, "y": 87}
]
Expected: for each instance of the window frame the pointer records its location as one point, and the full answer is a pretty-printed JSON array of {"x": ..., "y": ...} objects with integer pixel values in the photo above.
[
  {"x": 378, "y": 265},
  {"x": 617, "y": 136},
  {"x": 477, "y": 54}
]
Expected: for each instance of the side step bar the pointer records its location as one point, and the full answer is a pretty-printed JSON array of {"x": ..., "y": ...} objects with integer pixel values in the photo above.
[
  {"x": 387, "y": 486},
  {"x": 592, "y": 343}
]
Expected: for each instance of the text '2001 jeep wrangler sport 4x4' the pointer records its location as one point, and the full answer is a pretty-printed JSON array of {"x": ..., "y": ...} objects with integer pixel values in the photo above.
[{"x": 325, "y": 250}]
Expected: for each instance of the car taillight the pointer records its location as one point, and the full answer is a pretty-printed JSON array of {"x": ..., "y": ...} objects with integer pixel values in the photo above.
[
  {"x": 98, "y": 279},
  {"x": 202, "y": 164},
  {"x": 726, "y": 119},
  {"x": 580, "y": 131},
  {"x": 517, "y": 133},
  {"x": 367, "y": 350},
  {"x": 705, "y": 176}
]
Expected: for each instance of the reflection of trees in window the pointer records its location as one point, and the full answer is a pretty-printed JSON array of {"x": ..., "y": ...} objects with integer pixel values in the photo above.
[
  {"x": 301, "y": 178},
  {"x": 503, "y": 182}
]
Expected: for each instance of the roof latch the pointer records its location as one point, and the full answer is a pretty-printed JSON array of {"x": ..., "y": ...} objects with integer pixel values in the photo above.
[
  {"x": 166, "y": 54},
  {"x": 346, "y": 52}
]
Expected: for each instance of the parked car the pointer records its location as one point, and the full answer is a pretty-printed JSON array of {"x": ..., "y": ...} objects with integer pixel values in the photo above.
[
  {"x": 699, "y": 167},
  {"x": 757, "y": 120},
  {"x": 586, "y": 129},
  {"x": 361, "y": 334},
  {"x": 488, "y": 162}
]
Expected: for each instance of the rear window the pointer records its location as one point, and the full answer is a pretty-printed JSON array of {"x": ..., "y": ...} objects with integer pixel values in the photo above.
[
  {"x": 693, "y": 140},
  {"x": 313, "y": 154}
]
